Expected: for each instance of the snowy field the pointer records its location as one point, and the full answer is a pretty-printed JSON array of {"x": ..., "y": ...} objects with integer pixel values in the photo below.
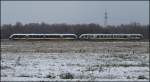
[{"x": 74, "y": 61}]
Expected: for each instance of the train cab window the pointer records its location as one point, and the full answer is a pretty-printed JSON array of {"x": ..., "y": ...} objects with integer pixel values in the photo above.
[
  {"x": 132, "y": 36},
  {"x": 14, "y": 36},
  {"x": 139, "y": 36}
]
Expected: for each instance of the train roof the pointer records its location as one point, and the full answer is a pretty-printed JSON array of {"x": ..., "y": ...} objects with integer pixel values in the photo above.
[
  {"x": 43, "y": 34},
  {"x": 111, "y": 34}
]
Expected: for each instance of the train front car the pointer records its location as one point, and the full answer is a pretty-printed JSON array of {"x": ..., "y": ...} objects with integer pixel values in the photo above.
[
  {"x": 17, "y": 36},
  {"x": 42, "y": 36}
]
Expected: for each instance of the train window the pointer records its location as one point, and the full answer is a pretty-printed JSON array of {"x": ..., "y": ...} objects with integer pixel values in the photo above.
[
  {"x": 39, "y": 36},
  {"x": 30, "y": 36},
  {"x": 46, "y": 36},
  {"x": 18, "y": 36},
  {"x": 54, "y": 36},
  {"x": 82, "y": 36},
  {"x": 111, "y": 36},
  {"x": 124, "y": 36},
  {"x": 117, "y": 36},
  {"x": 120, "y": 36},
  {"x": 35, "y": 36},
  {"x": 90, "y": 36},
  {"x": 69, "y": 36},
  {"x": 133, "y": 36},
  {"x": 104, "y": 36},
  {"x": 85, "y": 36},
  {"x": 98, "y": 36},
  {"x": 107, "y": 36}
]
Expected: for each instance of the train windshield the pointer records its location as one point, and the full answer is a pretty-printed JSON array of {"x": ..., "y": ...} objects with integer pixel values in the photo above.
[{"x": 19, "y": 36}]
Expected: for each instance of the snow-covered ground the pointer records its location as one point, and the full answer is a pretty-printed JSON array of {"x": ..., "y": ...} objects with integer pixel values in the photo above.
[{"x": 74, "y": 61}]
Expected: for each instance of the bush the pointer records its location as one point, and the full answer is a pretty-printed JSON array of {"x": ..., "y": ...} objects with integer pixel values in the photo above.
[
  {"x": 50, "y": 75},
  {"x": 66, "y": 76},
  {"x": 142, "y": 77}
]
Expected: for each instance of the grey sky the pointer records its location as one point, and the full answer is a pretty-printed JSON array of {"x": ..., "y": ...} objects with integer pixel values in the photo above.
[{"x": 73, "y": 12}]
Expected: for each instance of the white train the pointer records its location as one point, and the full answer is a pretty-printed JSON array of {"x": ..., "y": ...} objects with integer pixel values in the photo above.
[
  {"x": 111, "y": 36},
  {"x": 43, "y": 36},
  {"x": 81, "y": 37}
]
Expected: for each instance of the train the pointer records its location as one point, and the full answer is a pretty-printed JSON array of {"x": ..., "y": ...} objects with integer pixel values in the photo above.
[
  {"x": 42, "y": 36},
  {"x": 76, "y": 37},
  {"x": 111, "y": 36}
]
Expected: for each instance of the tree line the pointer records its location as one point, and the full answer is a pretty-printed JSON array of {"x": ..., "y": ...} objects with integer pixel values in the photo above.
[{"x": 133, "y": 28}]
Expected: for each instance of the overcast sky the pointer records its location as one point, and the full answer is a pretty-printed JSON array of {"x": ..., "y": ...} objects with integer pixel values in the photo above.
[{"x": 73, "y": 12}]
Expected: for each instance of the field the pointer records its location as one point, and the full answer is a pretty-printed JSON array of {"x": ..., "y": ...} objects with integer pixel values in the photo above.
[{"x": 74, "y": 61}]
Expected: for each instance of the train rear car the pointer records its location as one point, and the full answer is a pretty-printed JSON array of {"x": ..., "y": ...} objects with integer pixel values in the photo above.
[{"x": 110, "y": 36}]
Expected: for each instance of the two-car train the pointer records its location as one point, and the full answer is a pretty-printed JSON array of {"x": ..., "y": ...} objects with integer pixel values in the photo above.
[{"x": 75, "y": 37}]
